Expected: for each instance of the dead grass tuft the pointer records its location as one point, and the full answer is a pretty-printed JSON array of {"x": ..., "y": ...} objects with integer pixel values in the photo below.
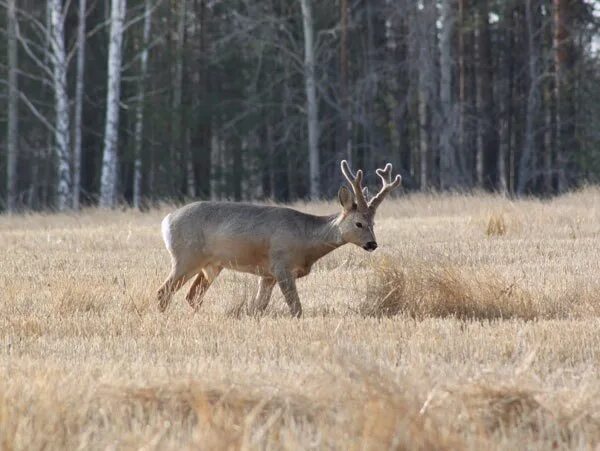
[
  {"x": 496, "y": 225},
  {"x": 501, "y": 408},
  {"x": 498, "y": 408},
  {"x": 422, "y": 291},
  {"x": 390, "y": 418},
  {"x": 78, "y": 298},
  {"x": 225, "y": 417}
]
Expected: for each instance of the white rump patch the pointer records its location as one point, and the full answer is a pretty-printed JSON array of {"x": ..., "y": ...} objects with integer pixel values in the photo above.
[{"x": 165, "y": 227}]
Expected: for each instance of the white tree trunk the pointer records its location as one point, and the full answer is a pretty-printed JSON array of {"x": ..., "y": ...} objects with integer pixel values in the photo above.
[
  {"x": 108, "y": 187},
  {"x": 503, "y": 147},
  {"x": 424, "y": 40},
  {"x": 62, "y": 135},
  {"x": 78, "y": 123},
  {"x": 189, "y": 165},
  {"x": 447, "y": 157},
  {"x": 215, "y": 162},
  {"x": 423, "y": 138},
  {"x": 12, "y": 132},
  {"x": 533, "y": 101},
  {"x": 139, "y": 111},
  {"x": 422, "y": 49},
  {"x": 548, "y": 139},
  {"x": 311, "y": 100}
]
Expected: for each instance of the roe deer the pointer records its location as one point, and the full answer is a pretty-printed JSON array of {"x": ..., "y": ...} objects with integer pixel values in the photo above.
[{"x": 278, "y": 244}]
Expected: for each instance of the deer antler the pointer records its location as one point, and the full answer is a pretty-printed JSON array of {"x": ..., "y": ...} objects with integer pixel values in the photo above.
[
  {"x": 355, "y": 182},
  {"x": 385, "y": 175}
]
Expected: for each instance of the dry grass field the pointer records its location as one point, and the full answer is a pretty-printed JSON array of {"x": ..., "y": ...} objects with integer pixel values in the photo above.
[{"x": 475, "y": 325}]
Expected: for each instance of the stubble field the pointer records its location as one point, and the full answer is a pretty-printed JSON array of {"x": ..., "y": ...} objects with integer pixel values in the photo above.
[{"x": 475, "y": 325}]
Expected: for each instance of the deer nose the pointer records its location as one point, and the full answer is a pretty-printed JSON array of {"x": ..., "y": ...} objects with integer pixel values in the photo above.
[{"x": 370, "y": 246}]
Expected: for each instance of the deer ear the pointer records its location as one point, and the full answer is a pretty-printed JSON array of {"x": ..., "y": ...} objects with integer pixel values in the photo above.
[{"x": 346, "y": 198}]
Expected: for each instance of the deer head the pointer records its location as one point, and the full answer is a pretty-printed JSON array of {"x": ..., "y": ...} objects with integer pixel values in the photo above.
[{"x": 356, "y": 225}]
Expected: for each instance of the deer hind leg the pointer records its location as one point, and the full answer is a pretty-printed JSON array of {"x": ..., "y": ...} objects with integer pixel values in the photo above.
[
  {"x": 201, "y": 283},
  {"x": 261, "y": 300},
  {"x": 174, "y": 282},
  {"x": 287, "y": 283}
]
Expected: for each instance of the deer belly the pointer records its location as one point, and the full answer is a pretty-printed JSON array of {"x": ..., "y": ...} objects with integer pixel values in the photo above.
[{"x": 240, "y": 255}]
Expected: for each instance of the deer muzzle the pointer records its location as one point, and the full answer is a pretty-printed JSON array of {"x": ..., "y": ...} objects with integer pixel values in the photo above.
[{"x": 370, "y": 246}]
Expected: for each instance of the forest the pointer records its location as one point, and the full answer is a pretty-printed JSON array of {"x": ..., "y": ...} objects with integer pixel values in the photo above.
[{"x": 132, "y": 102}]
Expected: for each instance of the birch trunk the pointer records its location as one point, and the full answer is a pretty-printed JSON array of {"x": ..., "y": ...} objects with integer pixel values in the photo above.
[
  {"x": 564, "y": 60},
  {"x": 79, "y": 83},
  {"x": 463, "y": 6},
  {"x": 186, "y": 131},
  {"x": 108, "y": 187},
  {"x": 448, "y": 174},
  {"x": 139, "y": 108},
  {"x": 346, "y": 126},
  {"x": 61, "y": 104},
  {"x": 12, "y": 132},
  {"x": 180, "y": 150},
  {"x": 48, "y": 151},
  {"x": 506, "y": 148},
  {"x": 311, "y": 99},
  {"x": 530, "y": 148},
  {"x": 487, "y": 142},
  {"x": 425, "y": 46},
  {"x": 215, "y": 160},
  {"x": 548, "y": 139}
]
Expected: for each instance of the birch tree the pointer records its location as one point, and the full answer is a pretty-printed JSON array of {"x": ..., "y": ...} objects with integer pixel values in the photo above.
[
  {"x": 486, "y": 136},
  {"x": 79, "y": 85},
  {"x": 139, "y": 108},
  {"x": 533, "y": 98},
  {"x": 564, "y": 61},
  {"x": 447, "y": 153},
  {"x": 180, "y": 144},
  {"x": 425, "y": 37},
  {"x": 108, "y": 187},
  {"x": 505, "y": 93},
  {"x": 312, "y": 109},
  {"x": 62, "y": 137},
  {"x": 12, "y": 132},
  {"x": 346, "y": 128}
]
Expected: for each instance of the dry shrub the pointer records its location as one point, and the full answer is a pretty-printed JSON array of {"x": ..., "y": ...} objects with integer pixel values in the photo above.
[
  {"x": 55, "y": 423},
  {"x": 24, "y": 328},
  {"x": 8, "y": 427},
  {"x": 361, "y": 406},
  {"x": 422, "y": 290},
  {"x": 227, "y": 417},
  {"x": 366, "y": 412},
  {"x": 356, "y": 408},
  {"x": 513, "y": 409},
  {"x": 391, "y": 418},
  {"x": 498, "y": 408},
  {"x": 576, "y": 301},
  {"x": 79, "y": 299},
  {"x": 496, "y": 225}
]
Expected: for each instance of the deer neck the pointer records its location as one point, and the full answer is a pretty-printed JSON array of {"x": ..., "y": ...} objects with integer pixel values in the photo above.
[{"x": 326, "y": 237}]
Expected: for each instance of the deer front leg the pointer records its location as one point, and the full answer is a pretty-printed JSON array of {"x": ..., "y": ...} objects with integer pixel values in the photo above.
[
  {"x": 261, "y": 301},
  {"x": 287, "y": 283}
]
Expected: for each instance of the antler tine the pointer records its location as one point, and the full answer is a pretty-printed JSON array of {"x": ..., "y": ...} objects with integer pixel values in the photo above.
[
  {"x": 355, "y": 182},
  {"x": 385, "y": 175}
]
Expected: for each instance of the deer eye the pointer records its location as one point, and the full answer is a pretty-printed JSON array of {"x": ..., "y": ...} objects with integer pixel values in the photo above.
[{"x": 359, "y": 225}]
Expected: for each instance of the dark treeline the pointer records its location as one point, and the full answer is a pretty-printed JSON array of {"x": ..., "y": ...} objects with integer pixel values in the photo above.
[{"x": 141, "y": 100}]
